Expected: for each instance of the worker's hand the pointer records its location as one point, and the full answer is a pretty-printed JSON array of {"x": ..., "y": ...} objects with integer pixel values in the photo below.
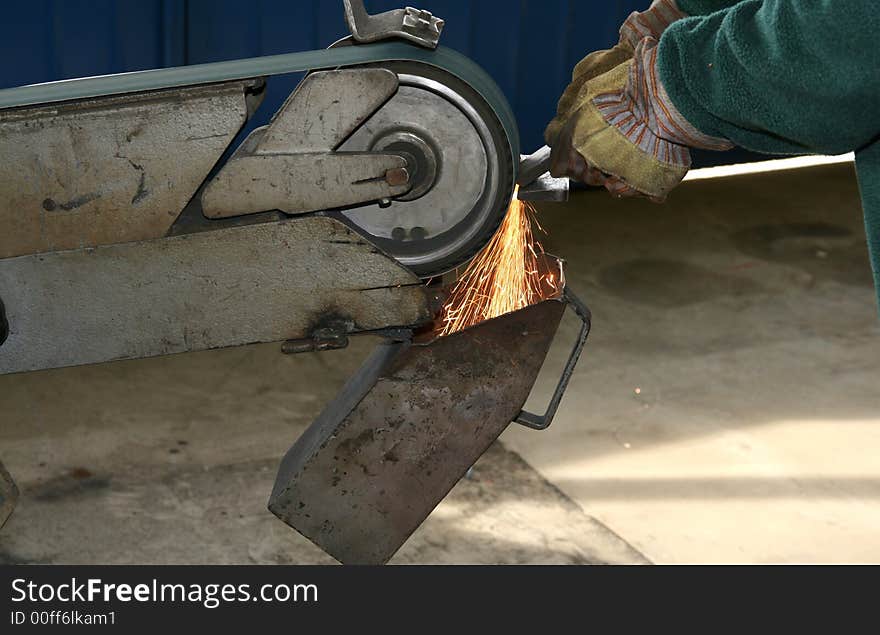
[
  {"x": 624, "y": 132},
  {"x": 649, "y": 23}
]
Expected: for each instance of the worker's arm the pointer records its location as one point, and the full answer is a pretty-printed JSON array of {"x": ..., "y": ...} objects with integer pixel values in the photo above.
[
  {"x": 774, "y": 76},
  {"x": 778, "y": 76},
  {"x": 785, "y": 76},
  {"x": 705, "y": 7},
  {"x": 640, "y": 25}
]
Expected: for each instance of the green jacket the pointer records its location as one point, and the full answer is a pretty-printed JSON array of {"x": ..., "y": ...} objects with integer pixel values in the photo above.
[{"x": 784, "y": 77}]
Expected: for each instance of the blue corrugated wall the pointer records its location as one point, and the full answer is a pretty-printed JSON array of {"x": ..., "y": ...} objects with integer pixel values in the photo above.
[{"x": 529, "y": 46}]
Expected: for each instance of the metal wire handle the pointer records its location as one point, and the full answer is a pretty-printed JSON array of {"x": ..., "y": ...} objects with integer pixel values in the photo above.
[{"x": 538, "y": 422}]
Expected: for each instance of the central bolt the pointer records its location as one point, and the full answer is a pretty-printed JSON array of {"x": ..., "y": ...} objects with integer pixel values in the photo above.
[
  {"x": 397, "y": 176},
  {"x": 423, "y": 166}
]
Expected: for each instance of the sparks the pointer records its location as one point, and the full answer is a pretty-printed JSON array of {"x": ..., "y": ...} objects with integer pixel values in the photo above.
[{"x": 505, "y": 276}]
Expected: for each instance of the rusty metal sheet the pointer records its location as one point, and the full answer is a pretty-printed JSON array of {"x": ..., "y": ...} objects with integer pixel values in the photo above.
[
  {"x": 112, "y": 169},
  {"x": 405, "y": 429},
  {"x": 8, "y": 495},
  {"x": 257, "y": 283}
]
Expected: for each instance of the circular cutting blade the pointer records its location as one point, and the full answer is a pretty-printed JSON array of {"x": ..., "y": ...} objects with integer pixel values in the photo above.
[{"x": 461, "y": 165}]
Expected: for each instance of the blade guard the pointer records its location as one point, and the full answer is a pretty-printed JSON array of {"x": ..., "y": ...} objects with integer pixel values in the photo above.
[{"x": 408, "y": 426}]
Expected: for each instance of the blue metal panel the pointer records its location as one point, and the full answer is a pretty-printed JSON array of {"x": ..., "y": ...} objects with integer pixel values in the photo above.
[
  {"x": 44, "y": 40},
  {"x": 542, "y": 69}
]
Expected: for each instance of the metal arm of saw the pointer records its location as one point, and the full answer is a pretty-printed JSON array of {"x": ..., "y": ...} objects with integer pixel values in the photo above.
[{"x": 291, "y": 164}]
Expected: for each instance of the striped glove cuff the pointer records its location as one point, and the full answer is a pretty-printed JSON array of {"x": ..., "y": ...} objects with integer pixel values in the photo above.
[
  {"x": 644, "y": 114},
  {"x": 650, "y": 23}
]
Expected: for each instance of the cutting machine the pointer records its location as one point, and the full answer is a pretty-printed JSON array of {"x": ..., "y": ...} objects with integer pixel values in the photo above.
[{"x": 132, "y": 228}]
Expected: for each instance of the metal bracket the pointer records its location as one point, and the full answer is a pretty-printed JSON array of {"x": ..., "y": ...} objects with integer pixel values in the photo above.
[
  {"x": 415, "y": 25},
  {"x": 537, "y": 422},
  {"x": 329, "y": 338},
  {"x": 4, "y": 323},
  {"x": 545, "y": 189},
  {"x": 536, "y": 183},
  {"x": 336, "y": 337},
  {"x": 8, "y": 495},
  {"x": 533, "y": 166}
]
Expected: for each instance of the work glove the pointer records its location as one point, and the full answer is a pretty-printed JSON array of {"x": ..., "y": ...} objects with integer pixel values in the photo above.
[
  {"x": 650, "y": 23},
  {"x": 623, "y": 132}
]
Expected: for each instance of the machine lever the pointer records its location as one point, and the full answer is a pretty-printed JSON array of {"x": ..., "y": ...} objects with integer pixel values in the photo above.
[
  {"x": 415, "y": 25},
  {"x": 534, "y": 166},
  {"x": 536, "y": 183}
]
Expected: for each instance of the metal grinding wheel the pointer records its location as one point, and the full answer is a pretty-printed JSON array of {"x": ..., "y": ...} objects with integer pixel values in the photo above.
[{"x": 463, "y": 171}]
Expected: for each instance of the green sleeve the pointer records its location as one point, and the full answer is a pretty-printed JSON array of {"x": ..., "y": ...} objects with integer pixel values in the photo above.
[
  {"x": 785, "y": 77},
  {"x": 705, "y": 7},
  {"x": 868, "y": 166},
  {"x": 779, "y": 76}
]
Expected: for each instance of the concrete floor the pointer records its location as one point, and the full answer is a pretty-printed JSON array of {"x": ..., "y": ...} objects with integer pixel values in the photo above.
[
  {"x": 171, "y": 461},
  {"x": 728, "y": 407},
  {"x": 727, "y": 410}
]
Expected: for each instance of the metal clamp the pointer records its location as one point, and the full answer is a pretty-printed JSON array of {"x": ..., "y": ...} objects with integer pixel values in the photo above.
[
  {"x": 537, "y": 422},
  {"x": 415, "y": 25},
  {"x": 533, "y": 166},
  {"x": 322, "y": 340},
  {"x": 536, "y": 183},
  {"x": 545, "y": 189}
]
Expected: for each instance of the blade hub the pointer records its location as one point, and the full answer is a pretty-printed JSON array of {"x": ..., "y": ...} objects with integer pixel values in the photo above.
[
  {"x": 422, "y": 160},
  {"x": 459, "y": 161}
]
